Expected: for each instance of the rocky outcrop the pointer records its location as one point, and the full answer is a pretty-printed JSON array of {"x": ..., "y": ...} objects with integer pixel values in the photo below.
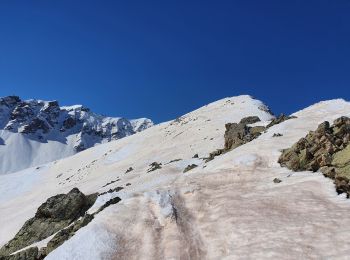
[
  {"x": 326, "y": 149},
  {"x": 63, "y": 214},
  {"x": 53, "y": 215},
  {"x": 154, "y": 166},
  {"x": 190, "y": 167},
  {"x": 281, "y": 118},
  {"x": 240, "y": 133},
  {"x": 66, "y": 234},
  {"x": 31, "y": 253},
  {"x": 237, "y": 134}
]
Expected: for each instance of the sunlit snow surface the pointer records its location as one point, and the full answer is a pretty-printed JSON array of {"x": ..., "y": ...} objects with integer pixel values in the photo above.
[{"x": 228, "y": 208}]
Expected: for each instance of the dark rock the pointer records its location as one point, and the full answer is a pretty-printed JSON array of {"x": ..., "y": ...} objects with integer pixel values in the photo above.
[
  {"x": 281, "y": 118},
  {"x": 109, "y": 183},
  {"x": 276, "y": 180},
  {"x": 190, "y": 167},
  {"x": 154, "y": 166},
  {"x": 31, "y": 253},
  {"x": 249, "y": 120},
  {"x": 108, "y": 203},
  {"x": 212, "y": 155},
  {"x": 35, "y": 125},
  {"x": 342, "y": 185},
  {"x": 195, "y": 156},
  {"x": 239, "y": 134},
  {"x": 66, "y": 234},
  {"x": 112, "y": 190},
  {"x": 9, "y": 101},
  {"x": 175, "y": 160},
  {"x": 68, "y": 124},
  {"x": 130, "y": 169},
  {"x": 54, "y": 214},
  {"x": 277, "y": 135}
]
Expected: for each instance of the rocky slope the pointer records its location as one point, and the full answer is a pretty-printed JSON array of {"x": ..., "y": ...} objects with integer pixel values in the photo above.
[
  {"x": 160, "y": 198},
  {"x": 326, "y": 149},
  {"x": 34, "y": 132}
]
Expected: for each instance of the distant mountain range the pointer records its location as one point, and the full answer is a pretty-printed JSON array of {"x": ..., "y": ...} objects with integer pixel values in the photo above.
[{"x": 33, "y": 132}]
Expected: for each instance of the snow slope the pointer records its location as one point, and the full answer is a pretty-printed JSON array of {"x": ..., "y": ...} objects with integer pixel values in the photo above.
[
  {"x": 228, "y": 208},
  {"x": 35, "y": 132}
]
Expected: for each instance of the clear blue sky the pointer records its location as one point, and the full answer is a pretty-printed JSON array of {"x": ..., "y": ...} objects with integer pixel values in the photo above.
[{"x": 161, "y": 59}]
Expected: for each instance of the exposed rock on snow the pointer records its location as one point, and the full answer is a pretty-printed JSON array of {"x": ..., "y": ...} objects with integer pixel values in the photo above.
[
  {"x": 65, "y": 234},
  {"x": 281, "y": 118},
  {"x": 326, "y": 149},
  {"x": 39, "y": 131},
  {"x": 56, "y": 213},
  {"x": 190, "y": 167},
  {"x": 141, "y": 124},
  {"x": 154, "y": 166},
  {"x": 130, "y": 169},
  {"x": 237, "y": 134},
  {"x": 198, "y": 215}
]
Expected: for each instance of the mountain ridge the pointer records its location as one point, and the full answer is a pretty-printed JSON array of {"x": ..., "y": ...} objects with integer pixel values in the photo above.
[{"x": 71, "y": 128}]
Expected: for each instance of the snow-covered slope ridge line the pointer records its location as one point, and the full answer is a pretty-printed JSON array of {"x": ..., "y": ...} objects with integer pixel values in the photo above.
[
  {"x": 227, "y": 208},
  {"x": 43, "y": 131},
  {"x": 172, "y": 144}
]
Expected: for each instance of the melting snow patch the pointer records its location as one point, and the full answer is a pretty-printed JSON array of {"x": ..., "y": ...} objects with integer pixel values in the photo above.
[
  {"x": 163, "y": 200},
  {"x": 91, "y": 242},
  {"x": 246, "y": 160}
]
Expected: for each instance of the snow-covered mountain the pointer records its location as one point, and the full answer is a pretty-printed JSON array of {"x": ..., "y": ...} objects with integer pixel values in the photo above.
[
  {"x": 206, "y": 185},
  {"x": 33, "y": 132}
]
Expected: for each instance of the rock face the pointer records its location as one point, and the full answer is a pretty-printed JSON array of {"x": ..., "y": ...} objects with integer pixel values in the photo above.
[
  {"x": 190, "y": 167},
  {"x": 326, "y": 149},
  {"x": 240, "y": 133},
  {"x": 53, "y": 215},
  {"x": 66, "y": 234},
  {"x": 31, "y": 253},
  {"x": 46, "y": 120},
  {"x": 281, "y": 118},
  {"x": 237, "y": 134}
]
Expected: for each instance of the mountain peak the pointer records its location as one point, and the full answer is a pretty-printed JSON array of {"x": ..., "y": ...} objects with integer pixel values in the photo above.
[{"x": 76, "y": 127}]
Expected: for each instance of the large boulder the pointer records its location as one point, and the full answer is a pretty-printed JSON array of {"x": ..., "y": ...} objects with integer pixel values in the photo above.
[{"x": 53, "y": 215}]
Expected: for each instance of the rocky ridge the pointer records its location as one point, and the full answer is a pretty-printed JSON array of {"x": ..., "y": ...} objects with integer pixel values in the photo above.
[
  {"x": 46, "y": 120},
  {"x": 35, "y": 132}
]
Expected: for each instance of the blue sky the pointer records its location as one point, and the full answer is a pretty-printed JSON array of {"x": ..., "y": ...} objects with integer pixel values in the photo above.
[{"x": 161, "y": 59}]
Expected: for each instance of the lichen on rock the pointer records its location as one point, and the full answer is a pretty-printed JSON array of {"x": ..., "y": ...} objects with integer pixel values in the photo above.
[{"x": 53, "y": 215}]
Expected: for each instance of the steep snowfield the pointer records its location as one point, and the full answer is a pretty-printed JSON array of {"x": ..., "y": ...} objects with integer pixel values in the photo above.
[
  {"x": 34, "y": 132},
  {"x": 228, "y": 208}
]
